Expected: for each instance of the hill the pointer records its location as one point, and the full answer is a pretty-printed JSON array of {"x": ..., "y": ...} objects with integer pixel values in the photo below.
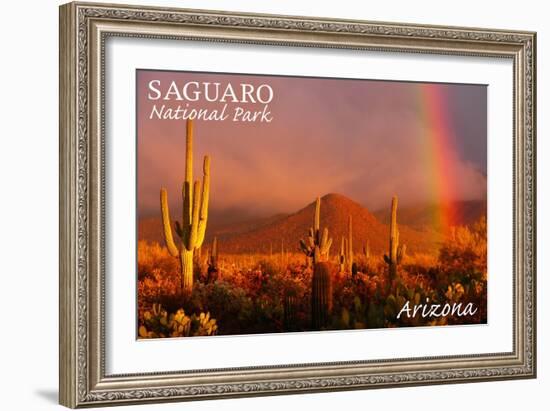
[{"x": 261, "y": 235}]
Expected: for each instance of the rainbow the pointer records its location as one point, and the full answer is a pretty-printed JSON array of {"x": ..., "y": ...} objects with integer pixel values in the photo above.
[{"x": 439, "y": 152}]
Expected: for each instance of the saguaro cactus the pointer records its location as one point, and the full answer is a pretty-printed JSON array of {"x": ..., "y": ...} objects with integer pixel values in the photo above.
[
  {"x": 321, "y": 296},
  {"x": 346, "y": 250},
  {"x": 213, "y": 257},
  {"x": 366, "y": 251},
  {"x": 391, "y": 259},
  {"x": 212, "y": 271},
  {"x": 350, "y": 243},
  {"x": 318, "y": 245},
  {"x": 195, "y": 214}
]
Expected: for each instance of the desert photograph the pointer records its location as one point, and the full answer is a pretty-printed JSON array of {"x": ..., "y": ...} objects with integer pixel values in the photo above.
[{"x": 277, "y": 204}]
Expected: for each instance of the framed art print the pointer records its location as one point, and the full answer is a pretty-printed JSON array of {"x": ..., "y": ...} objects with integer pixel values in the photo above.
[{"x": 257, "y": 204}]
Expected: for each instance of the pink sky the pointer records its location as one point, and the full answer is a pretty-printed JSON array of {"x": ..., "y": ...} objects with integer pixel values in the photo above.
[{"x": 358, "y": 138}]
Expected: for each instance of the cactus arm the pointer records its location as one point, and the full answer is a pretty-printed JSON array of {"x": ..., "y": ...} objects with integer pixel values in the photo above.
[
  {"x": 326, "y": 243},
  {"x": 187, "y": 210},
  {"x": 324, "y": 246},
  {"x": 318, "y": 242},
  {"x": 189, "y": 152},
  {"x": 317, "y": 218},
  {"x": 305, "y": 249},
  {"x": 167, "y": 229},
  {"x": 187, "y": 191},
  {"x": 394, "y": 233},
  {"x": 311, "y": 240},
  {"x": 203, "y": 217},
  {"x": 327, "y": 246},
  {"x": 194, "y": 229},
  {"x": 316, "y": 254},
  {"x": 324, "y": 239}
]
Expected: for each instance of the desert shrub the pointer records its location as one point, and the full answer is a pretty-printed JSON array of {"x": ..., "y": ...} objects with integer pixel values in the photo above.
[
  {"x": 158, "y": 324},
  {"x": 248, "y": 295},
  {"x": 151, "y": 258},
  {"x": 463, "y": 257},
  {"x": 227, "y": 302},
  {"x": 462, "y": 274}
]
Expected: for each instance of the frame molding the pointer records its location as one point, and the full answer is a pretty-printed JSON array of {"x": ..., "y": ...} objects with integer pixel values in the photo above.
[{"x": 84, "y": 27}]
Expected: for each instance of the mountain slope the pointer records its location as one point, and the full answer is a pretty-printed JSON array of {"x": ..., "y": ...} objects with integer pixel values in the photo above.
[
  {"x": 335, "y": 210},
  {"x": 262, "y": 235}
]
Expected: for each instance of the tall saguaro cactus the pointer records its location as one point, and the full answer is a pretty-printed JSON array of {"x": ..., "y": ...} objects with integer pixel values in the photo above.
[
  {"x": 318, "y": 244},
  {"x": 213, "y": 257},
  {"x": 392, "y": 258},
  {"x": 317, "y": 248},
  {"x": 346, "y": 250},
  {"x": 195, "y": 214},
  {"x": 212, "y": 270}
]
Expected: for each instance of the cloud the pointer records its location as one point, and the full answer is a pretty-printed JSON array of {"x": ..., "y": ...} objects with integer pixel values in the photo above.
[{"x": 357, "y": 138}]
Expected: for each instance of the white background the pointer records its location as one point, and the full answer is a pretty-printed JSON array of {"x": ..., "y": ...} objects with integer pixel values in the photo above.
[{"x": 28, "y": 217}]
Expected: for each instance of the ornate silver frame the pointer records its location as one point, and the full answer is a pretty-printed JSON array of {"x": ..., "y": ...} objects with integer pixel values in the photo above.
[{"x": 83, "y": 30}]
